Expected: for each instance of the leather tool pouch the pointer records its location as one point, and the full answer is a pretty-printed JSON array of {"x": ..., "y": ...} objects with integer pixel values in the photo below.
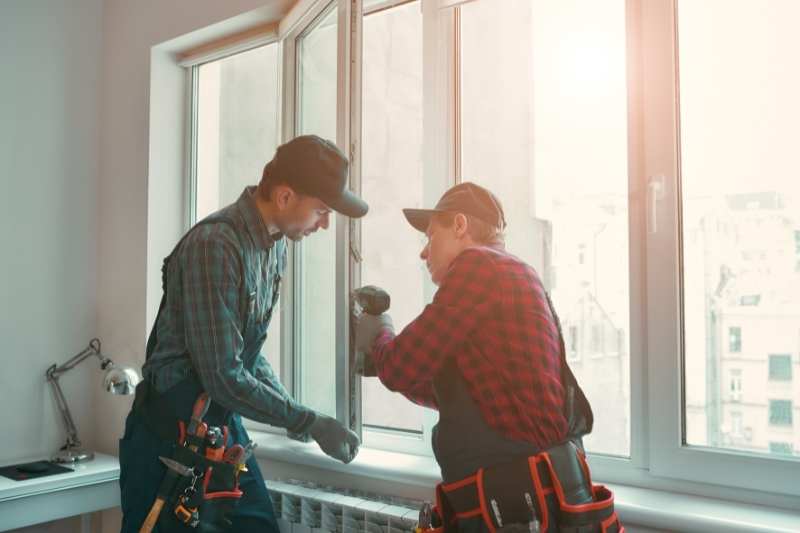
[
  {"x": 218, "y": 489},
  {"x": 549, "y": 492}
]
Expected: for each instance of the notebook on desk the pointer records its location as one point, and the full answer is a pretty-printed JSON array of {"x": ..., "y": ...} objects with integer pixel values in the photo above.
[{"x": 25, "y": 471}]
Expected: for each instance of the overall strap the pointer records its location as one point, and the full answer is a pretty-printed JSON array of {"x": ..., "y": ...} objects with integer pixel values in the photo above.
[{"x": 153, "y": 338}]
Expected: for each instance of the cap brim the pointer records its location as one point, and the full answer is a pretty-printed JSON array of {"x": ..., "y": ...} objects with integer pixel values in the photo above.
[
  {"x": 419, "y": 218},
  {"x": 349, "y": 205}
]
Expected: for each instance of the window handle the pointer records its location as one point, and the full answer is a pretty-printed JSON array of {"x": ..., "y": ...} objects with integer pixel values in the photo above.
[{"x": 655, "y": 191}]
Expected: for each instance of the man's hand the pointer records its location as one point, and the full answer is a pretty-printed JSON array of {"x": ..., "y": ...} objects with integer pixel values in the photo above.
[
  {"x": 367, "y": 329},
  {"x": 334, "y": 439}
]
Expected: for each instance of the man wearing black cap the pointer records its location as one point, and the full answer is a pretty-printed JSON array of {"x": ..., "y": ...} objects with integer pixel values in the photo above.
[
  {"x": 221, "y": 284},
  {"x": 487, "y": 354}
]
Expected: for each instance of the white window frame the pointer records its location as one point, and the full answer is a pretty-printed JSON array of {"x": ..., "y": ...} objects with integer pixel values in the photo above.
[{"x": 659, "y": 456}]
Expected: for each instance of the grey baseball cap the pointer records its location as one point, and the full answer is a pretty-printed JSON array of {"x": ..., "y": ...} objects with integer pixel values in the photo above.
[{"x": 315, "y": 166}]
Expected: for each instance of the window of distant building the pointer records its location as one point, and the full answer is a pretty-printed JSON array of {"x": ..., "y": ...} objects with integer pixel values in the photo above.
[
  {"x": 596, "y": 340},
  {"x": 735, "y": 339},
  {"x": 572, "y": 347},
  {"x": 750, "y": 299},
  {"x": 780, "y": 367},
  {"x": 736, "y": 423},
  {"x": 780, "y": 412},
  {"x": 736, "y": 385},
  {"x": 785, "y": 448}
]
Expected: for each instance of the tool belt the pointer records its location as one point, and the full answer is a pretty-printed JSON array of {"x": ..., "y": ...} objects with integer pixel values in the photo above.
[
  {"x": 207, "y": 500},
  {"x": 548, "y": 492},
  {"x": 203, "y": 498}
]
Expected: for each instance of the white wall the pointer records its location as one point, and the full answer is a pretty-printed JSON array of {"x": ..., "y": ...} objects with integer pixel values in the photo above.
[{"x": 50, "y": 57}]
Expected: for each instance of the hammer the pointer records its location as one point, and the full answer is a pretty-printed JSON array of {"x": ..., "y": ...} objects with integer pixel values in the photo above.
[{"x": 174, "y": 470}]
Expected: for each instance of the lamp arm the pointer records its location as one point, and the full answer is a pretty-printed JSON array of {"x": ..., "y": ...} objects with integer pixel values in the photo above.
[
  {"x": 93, "y": 349},
  {"x": 54, "y": 372},
  {"x": 72, "y": 431}
]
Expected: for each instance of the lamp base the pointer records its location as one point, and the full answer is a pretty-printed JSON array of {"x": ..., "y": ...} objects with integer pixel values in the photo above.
[{"x": 73, "y": 455}]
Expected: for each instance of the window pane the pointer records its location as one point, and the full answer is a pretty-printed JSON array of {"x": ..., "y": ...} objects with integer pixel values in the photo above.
[
  {"x": 780, "y": 412},
  {"x": 780, "y": 447},
  {"x": 544, "y": 126},
  {"x": 735, "y": 339},
  {"x": 780, "y": 367},
  {"x": 237, "y": 133},
  {"x": 316, "y": 67},
  {"x": 740, "y": 214},
  {"x": 391, "y": 180}
]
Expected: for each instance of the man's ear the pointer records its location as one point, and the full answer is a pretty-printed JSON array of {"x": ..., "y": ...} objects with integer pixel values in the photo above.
[
  {"x": 460, "y": 225},
  {"x": 283, "y": 195}
]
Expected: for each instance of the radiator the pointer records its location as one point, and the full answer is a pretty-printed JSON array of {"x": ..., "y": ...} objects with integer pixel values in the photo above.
[{"x": 301, "y": 507}]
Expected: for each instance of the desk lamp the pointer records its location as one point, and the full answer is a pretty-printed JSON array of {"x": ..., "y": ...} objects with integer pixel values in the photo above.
[{"x": 117, "y": 380}]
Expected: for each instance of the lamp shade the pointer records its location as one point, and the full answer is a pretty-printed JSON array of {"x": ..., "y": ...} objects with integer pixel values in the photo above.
[{"x": 120, "y": 379}]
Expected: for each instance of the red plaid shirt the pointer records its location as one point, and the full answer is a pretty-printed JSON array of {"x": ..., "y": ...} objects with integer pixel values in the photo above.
[{"x": 491, "y": 317}]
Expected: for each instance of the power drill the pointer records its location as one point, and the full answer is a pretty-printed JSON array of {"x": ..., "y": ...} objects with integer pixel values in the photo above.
[{"x": 372, "y": 299}]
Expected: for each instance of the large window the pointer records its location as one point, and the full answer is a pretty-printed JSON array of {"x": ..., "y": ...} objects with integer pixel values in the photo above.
[
  {"x": 644, "y": 154},
  {"x": 548, "y": 136}
]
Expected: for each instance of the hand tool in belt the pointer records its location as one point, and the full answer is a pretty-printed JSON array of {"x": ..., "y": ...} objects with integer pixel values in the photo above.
[
  {"x": 215, "y": 447},
  {"x": 425, "y": 519},
  {"x": 188, "y": 504},
  {"x": 197, "y": 428},
  {"x": 175, "y": 470}
]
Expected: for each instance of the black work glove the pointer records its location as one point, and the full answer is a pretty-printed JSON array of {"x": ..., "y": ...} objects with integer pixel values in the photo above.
[{"x": 334, "y": 438}]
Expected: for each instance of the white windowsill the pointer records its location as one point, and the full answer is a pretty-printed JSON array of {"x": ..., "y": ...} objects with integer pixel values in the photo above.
[
  {"x": 416, "y": 470},
  {"x": 635, "y": 505}
]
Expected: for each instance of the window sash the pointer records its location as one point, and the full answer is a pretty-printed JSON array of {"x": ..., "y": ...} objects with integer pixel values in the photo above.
[
  {"x": 670, "y": 456},
  {"x": 659, "y": 455}
]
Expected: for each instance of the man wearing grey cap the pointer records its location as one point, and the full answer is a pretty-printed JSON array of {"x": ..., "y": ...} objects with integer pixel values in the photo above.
[
  {"x": 487, "y": 353},
  {"x": 204, "y": 368}
]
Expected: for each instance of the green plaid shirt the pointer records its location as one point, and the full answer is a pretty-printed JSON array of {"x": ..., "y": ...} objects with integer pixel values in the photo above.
[{"x": 223, "y": 281}]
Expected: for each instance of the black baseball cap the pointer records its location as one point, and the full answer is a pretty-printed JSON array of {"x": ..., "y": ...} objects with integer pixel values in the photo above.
[
  {"x": 315, "y": 166},
  {"x": 466, "y": 198}
]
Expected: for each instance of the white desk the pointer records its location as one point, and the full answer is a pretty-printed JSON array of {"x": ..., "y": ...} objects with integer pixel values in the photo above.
[{"x": 93, "y": 486}]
